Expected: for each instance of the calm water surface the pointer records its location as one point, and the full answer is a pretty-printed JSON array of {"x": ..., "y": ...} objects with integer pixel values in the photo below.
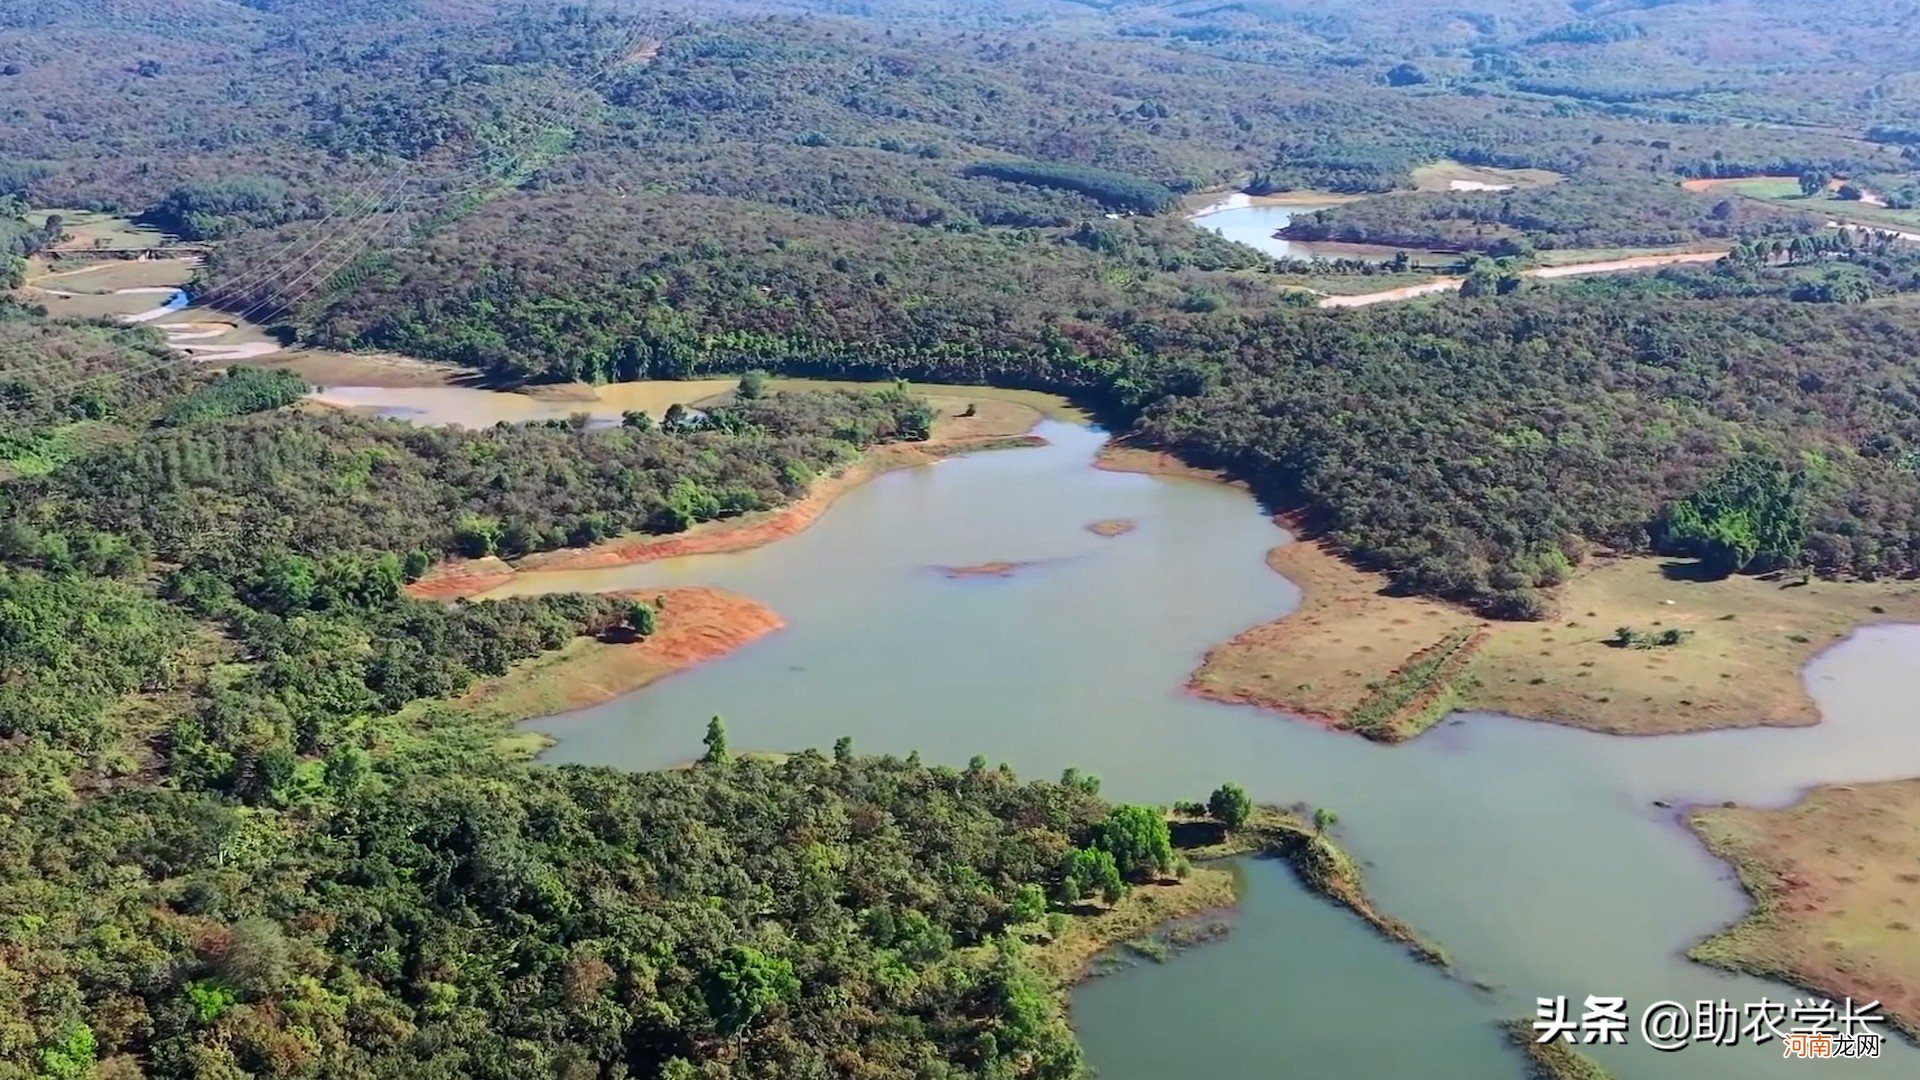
[
  {"x": 1241, "y": 219},
  {"x": 1532, "y": 852}
]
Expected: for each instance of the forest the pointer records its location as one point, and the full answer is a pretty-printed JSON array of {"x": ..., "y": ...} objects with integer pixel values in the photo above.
[
  {"x": 1574, "y": 214},
  {"x": 252, "y": 831},
  {"x": 248, "y": 827}
]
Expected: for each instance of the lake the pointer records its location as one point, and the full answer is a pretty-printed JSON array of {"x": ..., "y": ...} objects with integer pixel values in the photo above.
[
  {"x": 1533, "y": 853},
  {"x": 1253, "y": 220}
]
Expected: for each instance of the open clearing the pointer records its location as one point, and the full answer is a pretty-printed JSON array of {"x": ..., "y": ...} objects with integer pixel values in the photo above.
[
  {"x": 1785, "y": 191},
  {"x": 322, "y": 367},
  {"x": 98, "y": 289},
  {"x": 1835, "y": 881},
  {"x": 1454, "y": 176},
  {"x": 89, "y": 230},
  {"x": 1351, "y": 652},
  {"x": 1435, "y": 286}
]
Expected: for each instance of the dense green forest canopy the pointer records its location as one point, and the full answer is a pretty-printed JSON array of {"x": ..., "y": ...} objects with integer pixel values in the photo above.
[
  {"x": 605, "y": 194},
  {"x": 247, "y": 827}
]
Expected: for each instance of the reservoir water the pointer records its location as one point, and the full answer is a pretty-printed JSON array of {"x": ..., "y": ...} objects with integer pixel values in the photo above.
[
  {"x": 1248, "y": 220},
  {"x": 1533, "y": 853}
]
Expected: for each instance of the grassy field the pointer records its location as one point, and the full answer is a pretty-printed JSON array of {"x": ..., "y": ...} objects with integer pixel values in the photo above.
[
  {"x": 1783, "y": 191},
  {"x": 1443, "y": 175},
  {"x": 1835, "y": 881},
  {"x": 88, "y": 290},
  {"x": 1348, "y": 284},
  {"x": 993, "y": 417},
  {"x": 1575, "y": 256},
  {"x": 78, "y": 439},
  {"x": 1746, "y": 640},
  {"x": 88, "y": 230},
  {"x": 323, "y": 367}
]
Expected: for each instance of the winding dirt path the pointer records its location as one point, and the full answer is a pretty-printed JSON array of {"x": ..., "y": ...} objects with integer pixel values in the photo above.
[{"x": 1545, "y": 273}]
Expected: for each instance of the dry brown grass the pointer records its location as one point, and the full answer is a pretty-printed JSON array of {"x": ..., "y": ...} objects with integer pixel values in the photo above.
[
  {"x": 1440, "y": 175},
  {"x": 1122, "y": 456},
  {"x": 652, "y": 396},
  {"x": 1740, "y": 666},
  {"x": 983, "y": 570},
  {"x": 107, "y": 275},
  {"x": 322, "y": 367},
  {"x": 1318, "y": 662},
  {"x": 1835, "y": 881}
]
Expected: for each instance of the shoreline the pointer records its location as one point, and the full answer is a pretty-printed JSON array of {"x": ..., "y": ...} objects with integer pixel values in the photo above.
[
  {"x": 1348, "y": 645},
  {"x": 459, "y": 579},
  {"x": 697, "y": 623},
  {"x": 1322, "y": 866},
  {"x": 1833, "y": 877},
  {"x": 1817, "y": 873},
  {"x": 967, "y": 424}
]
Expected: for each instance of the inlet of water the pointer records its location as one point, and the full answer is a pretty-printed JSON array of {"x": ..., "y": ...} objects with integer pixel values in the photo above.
[{"x": 1534, "y": 853}]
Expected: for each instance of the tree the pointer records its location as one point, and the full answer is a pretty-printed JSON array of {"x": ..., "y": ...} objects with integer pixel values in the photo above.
[
  {"x": 744, "y": 983},
  {"x": 1230, "y": 805},
  {"x": 256, "y": 961},
  {"x": 1138, "y": 838},
  {"x": 1405, "y": 74},
  {"x": 1748, "y": 516},
  {"x": 476, "y": 537},
  {"x": 1813, "y": 181},
  {"x": 285, "y": 583},
  {"x": 1324, "y": 819},
  {"x": 1850, "y": 192},
  {"x": 716, "y": 741},
  {"x": 70, "y": 1058},
  {"x": 416, "y": 564},
  {"x": 1028, "y": 904},
  {"x": 843, "y": 749},
  {"x": 1086, "y": 783},
  {"x": 641, "y": 619},
  {"x": 1088, "y": 872},
  {"x": 753, "y": 386}
]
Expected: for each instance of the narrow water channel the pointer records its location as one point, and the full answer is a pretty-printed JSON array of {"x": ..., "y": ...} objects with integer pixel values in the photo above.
[{"x": 1532, "y": 852}]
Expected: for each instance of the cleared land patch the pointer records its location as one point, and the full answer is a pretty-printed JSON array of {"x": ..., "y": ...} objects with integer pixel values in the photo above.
[
  {"x": 1785, "y": 191},
  {"x": 1835, "y": 881},
  {"x": 1451, "y": 175},
  {"x": 1353, "y": 656}
]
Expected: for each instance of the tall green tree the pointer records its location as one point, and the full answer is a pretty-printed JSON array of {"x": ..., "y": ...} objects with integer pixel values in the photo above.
[
  {"x": 716, "y": 742},
  {"x": 1138, "y": 839},
  {"x": 641, "y": 618}
]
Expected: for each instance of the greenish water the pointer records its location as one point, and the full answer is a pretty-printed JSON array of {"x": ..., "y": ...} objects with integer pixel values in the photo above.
[{"x": 1532, "y": 852}]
